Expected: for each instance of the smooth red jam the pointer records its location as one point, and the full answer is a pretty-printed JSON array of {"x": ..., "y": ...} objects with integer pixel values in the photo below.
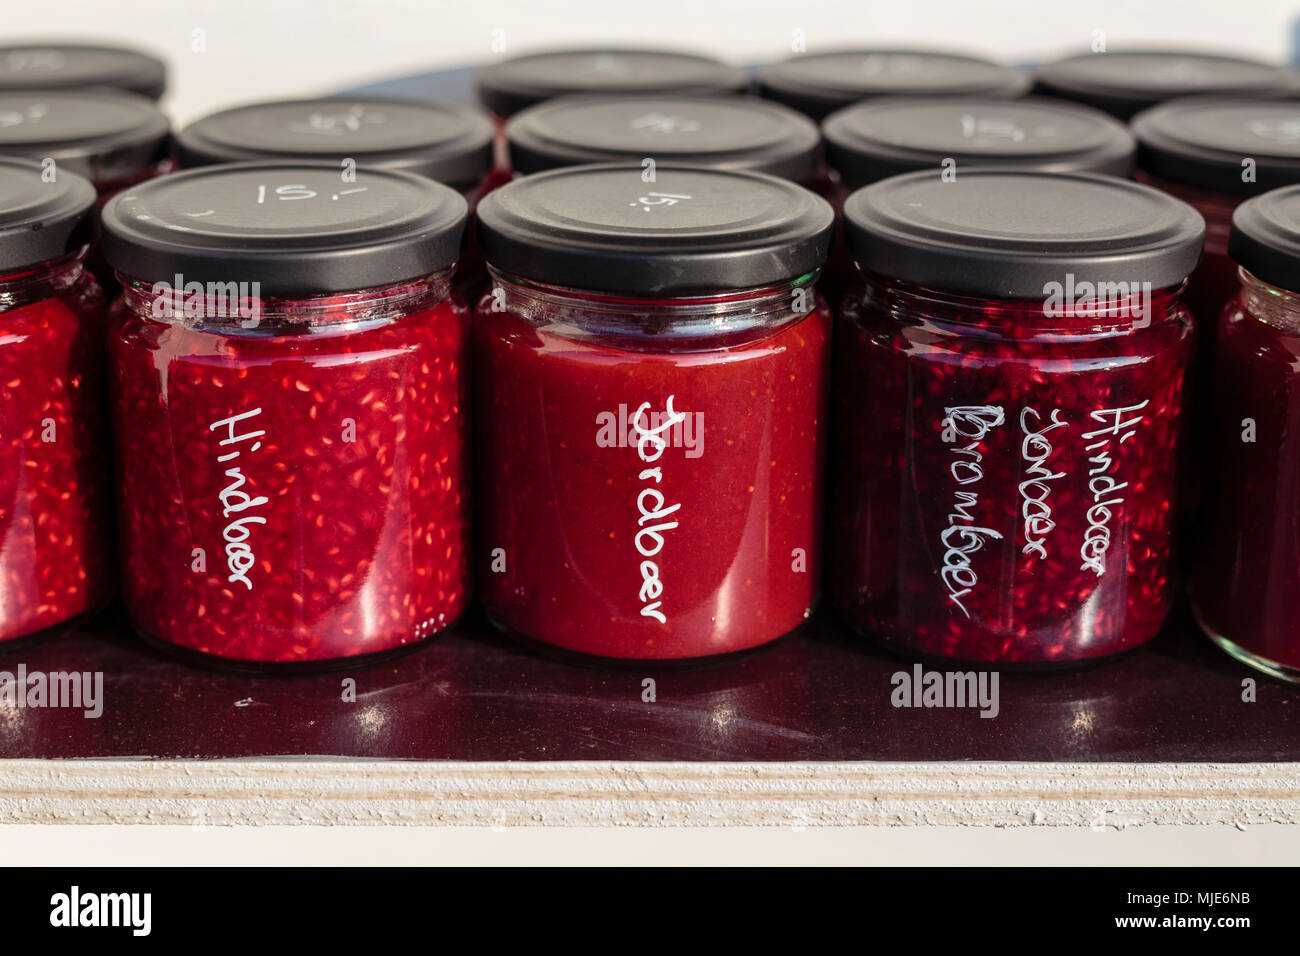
[
  {"x": 1003, "y": 486},
  {"x": 1246, "y": 584},
  {"x": 297, "y": 492},
  {"x": 55, "y": 498},
  {"x": 650, "y": 475}
]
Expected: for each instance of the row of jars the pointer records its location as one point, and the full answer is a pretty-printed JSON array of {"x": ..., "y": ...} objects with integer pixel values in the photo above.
[{"x": 673, "y": 279}]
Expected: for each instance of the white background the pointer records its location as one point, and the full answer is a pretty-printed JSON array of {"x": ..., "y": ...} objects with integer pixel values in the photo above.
[{"x": 264, "y": 48}]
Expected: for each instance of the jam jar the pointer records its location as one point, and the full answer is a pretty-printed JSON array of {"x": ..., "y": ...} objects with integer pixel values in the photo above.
[
  {"x": 68, "y": 66},
  {"x": 56, "y": 510},
  {"x": 1006, "y": 413},
  {"x": 288, "y": 370},
  {"x": 650, "y": 374},
  {"x": 1246, "y": 585},
  {"x": 1124, "y": 83},
  {"x": 113, "y": 139},
  {"x": 522, "y": 81},
  {"x": 821, "y": 83},
  {"x": 720, "y": 132}
]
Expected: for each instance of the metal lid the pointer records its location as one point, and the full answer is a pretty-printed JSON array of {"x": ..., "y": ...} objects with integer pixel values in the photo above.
[
  {"x": 1241, "y": 147},
  {"x": 999, "y": 233},
  {"x": 63, "y": 66},
  {"x": 720, "y": 132},
  {"x": 104, "y": 135},
  {"x": 820, "y": 83},
  {"x": 41, "y": 220},
  {"x": 1124, "y": 83},
  {"x": 693, "y": 230},
  {"x": 1265, "y": 237},
  {"x": 885, "y": 137},
  {"x": 512, "y": 85},
  {"x": 295, "y": 228},
  {"x": 452, "y": 144}
]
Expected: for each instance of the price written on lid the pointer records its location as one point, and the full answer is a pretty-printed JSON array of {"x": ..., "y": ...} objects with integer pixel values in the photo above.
[
  {"x": 297, "y": 191},
  {"x": 651, "y": 200}
]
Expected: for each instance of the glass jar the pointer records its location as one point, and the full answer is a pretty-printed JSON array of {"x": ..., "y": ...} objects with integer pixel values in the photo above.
[
  {"x": 1006, "y": 414},
  {"x": 651, "y": 380},
  {"x": 55, "y": 500},
  {"x": 871, "y": 141},
  {"x": 1246, "y": 585},
  {"x": 818, "y": 84},
  {"x": 1124, "y": 83},
  {"x": 289, "y": 372},
  {"x": 70, "y": 66},
  {"x": 114, "y": 139}
]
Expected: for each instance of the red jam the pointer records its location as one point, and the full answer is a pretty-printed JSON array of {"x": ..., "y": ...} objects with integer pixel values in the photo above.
[
  {"x": 292, "y": 468},
  {"x": 55, "y": 499},
  {"x": 350, "y": 447},
  {"x": 1246, "y": 585},
  {"x": 650, "y": 451},
  {"x": 1002, "y": 488},
  {"x": 1038, "y": 532},
  {"x": 730, "y": 525}
]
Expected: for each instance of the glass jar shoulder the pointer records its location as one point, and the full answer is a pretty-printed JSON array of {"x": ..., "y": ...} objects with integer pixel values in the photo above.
[
  {"x": 651, "y": 335},
  {"x": 973, "y": 334},
  {"x": 436, "y": 324}
]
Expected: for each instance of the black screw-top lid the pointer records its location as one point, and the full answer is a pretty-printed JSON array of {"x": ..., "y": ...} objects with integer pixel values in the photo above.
[
  {"x": 1265, "y": 237},
  {"x": 1125, "y": 83},
  {"x": 104, "y": 135},
  {"x": 295, "y": 228},
  {"x": 63, "y": 66},
  {"x": 885, "y": 137},
  {"x": 451, "y": 144},
  {"x": 691, "y": 231},
  {"x": 720, "y": 132},
  {"x": 1000, "y": 233},
  {"x": 512, "y": 85},
  {"x": 820, "y": 83},
  {"x": 40, "y": 220},
  {"x": 1203, "y": 143}
]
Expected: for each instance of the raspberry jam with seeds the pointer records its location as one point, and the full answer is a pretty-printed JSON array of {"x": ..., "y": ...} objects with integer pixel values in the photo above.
[
  {"x": 651, "y": 385},
  {"x": 55, "y": 500},
  {"x": 818, "y": 84},
  {"x": 1006, "y": 413},
  {"x": 1124, "y": 83},
  {"x": 1246, "y": 586},
  {"x": 290, "y": 386}
]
